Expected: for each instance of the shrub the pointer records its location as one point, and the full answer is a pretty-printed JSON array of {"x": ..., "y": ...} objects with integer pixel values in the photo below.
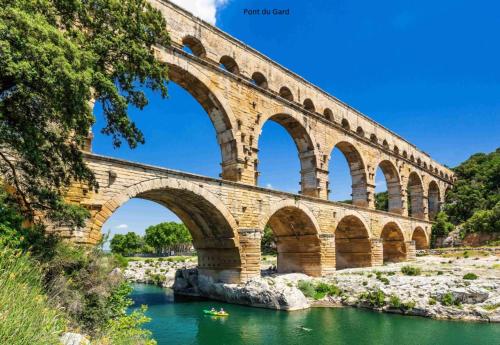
[
  {"x": 432, "y": 301},
  {"x": 157, "y": 279},
  {"x": 307, "y": 288},
  {"x": 324, "y": 289},
  {"x": 381, "y": 278},
  {"x": 126, "y": 330},
  {"x": 448, "y": 299},
  {"x": 470, "y": 276},
  {"x": 394, "y": 301},
  {"x": 408, "y": 305},
  {"x": 490, "y": 307},
  {"x": 375, "y": 298},
  {"x": 365, "y": 283},
  {"x": 440, "y": 273},
  {"x": 25, "y": 312},
  {"x": 410, "y": 270}
]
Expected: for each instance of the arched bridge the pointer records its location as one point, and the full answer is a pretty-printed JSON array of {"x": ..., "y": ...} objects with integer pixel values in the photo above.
[{"x": 241, "y": 89}]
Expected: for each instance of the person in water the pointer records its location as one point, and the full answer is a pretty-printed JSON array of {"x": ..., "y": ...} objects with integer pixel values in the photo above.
[{"x": 221, "y": 310}]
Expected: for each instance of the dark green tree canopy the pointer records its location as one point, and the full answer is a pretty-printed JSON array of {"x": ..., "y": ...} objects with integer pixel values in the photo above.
[
  {"x": 165, "y": 235},
  {"x": 127, "y": 244},
  {"x": 57, "y": 56},
  {"x": 477, "y": 187}
]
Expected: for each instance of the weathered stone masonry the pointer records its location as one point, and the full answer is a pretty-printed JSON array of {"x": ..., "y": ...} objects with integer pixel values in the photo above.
[{"x": 241, "y": 89}]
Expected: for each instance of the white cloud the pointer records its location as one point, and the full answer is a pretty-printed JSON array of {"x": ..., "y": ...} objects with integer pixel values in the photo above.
[
  {"x": 122, "y": 226},
  {"x": 205, "y": 9}
]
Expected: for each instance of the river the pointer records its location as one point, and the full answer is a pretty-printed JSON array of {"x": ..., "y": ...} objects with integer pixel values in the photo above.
[{"x": 180, "y": 321}]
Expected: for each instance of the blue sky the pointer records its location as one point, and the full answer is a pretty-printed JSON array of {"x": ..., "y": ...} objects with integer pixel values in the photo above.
[{"x": 428, "y": 70}]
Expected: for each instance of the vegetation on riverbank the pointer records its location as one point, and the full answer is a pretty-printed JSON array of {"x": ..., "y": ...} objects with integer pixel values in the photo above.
[
  {"x": 473, "y": 204},
  {"x": 48, "y": 286}
]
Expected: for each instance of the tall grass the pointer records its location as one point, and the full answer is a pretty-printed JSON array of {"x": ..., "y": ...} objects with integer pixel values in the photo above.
[{"x": 25, "y": 314}]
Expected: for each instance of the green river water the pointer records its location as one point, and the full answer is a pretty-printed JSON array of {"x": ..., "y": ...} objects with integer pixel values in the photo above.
[{"x": 180, "y": 321}]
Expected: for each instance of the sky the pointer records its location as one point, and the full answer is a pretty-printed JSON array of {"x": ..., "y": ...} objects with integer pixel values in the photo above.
[{"x": 427, "y": 70}]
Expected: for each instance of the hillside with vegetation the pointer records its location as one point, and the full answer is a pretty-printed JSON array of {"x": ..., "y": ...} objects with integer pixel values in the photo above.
[{"x": 473, "y": 204}]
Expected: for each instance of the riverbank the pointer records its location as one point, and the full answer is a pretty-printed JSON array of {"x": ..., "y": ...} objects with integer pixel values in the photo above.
[{"x": 457, "y": 286}]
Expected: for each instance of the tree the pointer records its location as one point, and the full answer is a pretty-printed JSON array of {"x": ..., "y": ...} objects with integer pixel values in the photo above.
[
  {"x": 382, "y": 201},
  {"x": 56, "y": 57},
  {"x": 163, "y": 236},
  {"x": 268, "y": 241},
  {"x": 441, "y": 227},
  {"x": 477, "y": 187},
  {"x": 127, "y": 244}
]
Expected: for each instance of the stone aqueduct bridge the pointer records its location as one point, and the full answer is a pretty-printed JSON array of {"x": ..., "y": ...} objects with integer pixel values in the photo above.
[{"x": 241, "y": 90}]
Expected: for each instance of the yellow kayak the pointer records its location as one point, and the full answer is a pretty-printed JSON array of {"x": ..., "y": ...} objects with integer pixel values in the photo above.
[{"x": 215, "y": 313}]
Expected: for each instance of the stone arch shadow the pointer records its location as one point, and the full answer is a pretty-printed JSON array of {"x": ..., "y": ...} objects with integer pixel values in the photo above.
[
  {"x": 352, "y": 242},
  {"x": 393, "y": 242},
  {"x": 296, "y": 231},
  {"x": 421, "y": 238}
]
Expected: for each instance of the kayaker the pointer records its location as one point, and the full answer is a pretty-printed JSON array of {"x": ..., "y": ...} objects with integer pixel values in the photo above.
[
  {"x": 221, "y": 311},
  {"x": 213, "y": 310}
]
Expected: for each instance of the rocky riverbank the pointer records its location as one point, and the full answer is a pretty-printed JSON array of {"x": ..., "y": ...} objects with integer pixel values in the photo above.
[{"x": 458, "y": 286}]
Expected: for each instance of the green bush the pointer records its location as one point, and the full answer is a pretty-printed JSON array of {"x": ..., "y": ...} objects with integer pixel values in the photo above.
[
  {"x": 307, "y": 288},
  {"x": 410, "y": 270},
  {"x": 381, "y": 278},
  {"x": 375, "y": 298},
  {"x": 448, "y": 300},
  {"x": 470, "y": 276},
  {"x": 127, "y": 330},
  {"x": 324, "y": 289},
  {"x": 432, "y": 301},
  {"x": 394, "y": 301},
  {"x": 26, "y": 314},
  {"x": 408, "y": 305}
]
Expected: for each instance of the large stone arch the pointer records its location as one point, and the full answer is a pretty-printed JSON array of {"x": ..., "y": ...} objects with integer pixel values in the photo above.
[
  {"x": 352, "y": 243},
  {"x": 186, "y": 74},
  {"x": 433, "y": 199},
  {"x": 416, "y": 206},
  {"x": 213, "y": 228},
  {"x": 393, "y": 181},
  {"x": 393, "y": 242},
  {"x": 421, "y": 239},
  {"x": 297, "y": 238},
  {"x": 357, "y": 170},
  {"x": 305, "y": 143}
]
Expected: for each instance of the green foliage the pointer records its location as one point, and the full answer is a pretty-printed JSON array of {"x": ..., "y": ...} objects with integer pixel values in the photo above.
[
  {"x": 268, "y": 241},
  {"x": 483, "y": 221},
  {"x": 441, "y": 227},
  {"x": 382, "y": 201},
  {"x": 408, "y": 305},
  {"x": 448, "y": 300},
  {"x": 470, "y": 276},
  {"x": 127, "y": 330},
  {"x": 381, "y": 278},
  {"x": 56, "y": 57},
  {"x": 432, "y": 301},
  {"x": 318, "y": 291},
  {"x": 477, "y": 189},
  {"x": 27, "y": 317},
  {"x": 394, "y": 301},
  {"x": 127, "y": 244},
  {"x": 307, "y": 288},
  {"x": 164, "y": 235},
  {"x": 410, "y": 270},
  {"x": 375, "y": 298}
]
